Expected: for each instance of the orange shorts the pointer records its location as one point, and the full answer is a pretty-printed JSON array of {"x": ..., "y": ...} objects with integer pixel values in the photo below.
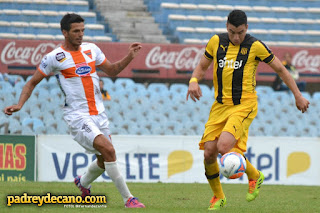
[{"x": 235, "y": 119}]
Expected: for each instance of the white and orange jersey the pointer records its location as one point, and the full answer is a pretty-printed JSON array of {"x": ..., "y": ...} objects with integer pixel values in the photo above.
[{"x": 76, "y": 72}]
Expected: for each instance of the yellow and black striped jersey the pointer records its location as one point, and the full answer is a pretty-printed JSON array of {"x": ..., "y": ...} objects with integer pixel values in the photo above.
[{"x": 235, "y": 66}]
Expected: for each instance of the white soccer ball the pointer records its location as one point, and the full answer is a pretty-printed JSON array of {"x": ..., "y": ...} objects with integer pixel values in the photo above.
[{"x": 232, "y": 165}]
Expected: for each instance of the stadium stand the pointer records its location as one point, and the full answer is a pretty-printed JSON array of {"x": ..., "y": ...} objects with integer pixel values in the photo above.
[
  {"x": 39, "y": 19},
  {"x": 130, "y": 21},
  {"x": 157, "y": 108},
  {"x": 282, "y": 23},
  {"x": 278, "y": 23}
]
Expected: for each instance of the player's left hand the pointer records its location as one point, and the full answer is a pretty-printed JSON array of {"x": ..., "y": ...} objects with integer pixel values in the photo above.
[
  {"x": 302, "y": 103},
  {"x": 134, "y": 49}
]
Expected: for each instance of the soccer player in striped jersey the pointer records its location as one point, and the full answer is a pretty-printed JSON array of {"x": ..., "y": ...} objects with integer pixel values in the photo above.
[
  {"x": 235, "y": 56},
  {"x": 74, "y": 63}
]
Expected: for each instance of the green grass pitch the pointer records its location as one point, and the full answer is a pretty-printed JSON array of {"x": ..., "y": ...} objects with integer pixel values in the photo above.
[{"x": 170, "y": 197}]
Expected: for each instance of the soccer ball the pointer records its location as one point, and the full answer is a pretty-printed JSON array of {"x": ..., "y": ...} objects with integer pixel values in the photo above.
[{"x": 232, "y": 165}]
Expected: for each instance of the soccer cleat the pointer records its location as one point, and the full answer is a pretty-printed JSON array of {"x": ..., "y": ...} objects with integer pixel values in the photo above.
[
  {"x": 254, "y": 186},
  {"x": 133, "y": 202},
  {"x": 85, "y": 191},
  {"x": 217, "y": 203}
]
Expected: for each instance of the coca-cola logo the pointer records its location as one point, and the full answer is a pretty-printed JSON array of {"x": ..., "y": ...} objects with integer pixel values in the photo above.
[
  {"x": 305, "y": 62},
  {"x": 185, "y": 59},
  {"x": 12, "y": 54}
]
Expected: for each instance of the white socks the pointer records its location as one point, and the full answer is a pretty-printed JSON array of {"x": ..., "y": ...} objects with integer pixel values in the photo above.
[
  {"x": 113, "y": 172},
  {"x": 94, "y": 171}
]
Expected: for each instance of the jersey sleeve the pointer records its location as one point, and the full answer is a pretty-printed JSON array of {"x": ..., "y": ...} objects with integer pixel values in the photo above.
[
  {"x": 46, "y": 65},
  {"x": 100, "y": 57},
  {"x": 209, "y": 53},
  {"x": 263, "y": 52}
]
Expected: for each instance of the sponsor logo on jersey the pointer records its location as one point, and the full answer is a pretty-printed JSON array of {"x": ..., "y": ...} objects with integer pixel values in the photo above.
[
  {"x": 230, "y": 63},
  {"x": 223, "y": 47},
  {"x": 60, "y": 57},
  {"x": 88, "y": 53},
  {"x": 83, "y": 70}
]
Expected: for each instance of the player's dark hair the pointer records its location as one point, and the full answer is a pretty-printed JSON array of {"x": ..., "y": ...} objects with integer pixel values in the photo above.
[
  {"x": 237, "y": 18},
  {"x": 68, "y": 19}
]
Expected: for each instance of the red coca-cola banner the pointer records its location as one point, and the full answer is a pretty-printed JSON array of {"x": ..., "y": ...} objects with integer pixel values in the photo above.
[{"x": 173, "y": 61}]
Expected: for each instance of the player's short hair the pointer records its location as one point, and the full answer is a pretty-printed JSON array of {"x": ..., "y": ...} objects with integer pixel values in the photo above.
[
  {"x": 68, "y": 19},
  {"x": 237, "y": 18}
]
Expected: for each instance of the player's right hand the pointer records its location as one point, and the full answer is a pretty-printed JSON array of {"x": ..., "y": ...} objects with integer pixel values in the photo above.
[
  {"x": 194, "y": 91},
  {"x": 302, "y": 104},
  {"x": 134, "y": 49},
  {"x": 11, "y": 109}
]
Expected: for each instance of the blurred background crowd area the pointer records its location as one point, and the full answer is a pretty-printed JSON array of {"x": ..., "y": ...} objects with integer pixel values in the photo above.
[
  {"x": 153, "y": 108},
  {"x": 158, "y": 107}
]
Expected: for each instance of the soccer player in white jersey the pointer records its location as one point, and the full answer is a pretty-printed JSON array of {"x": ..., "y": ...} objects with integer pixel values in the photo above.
[{"x": 74, "y": 63}]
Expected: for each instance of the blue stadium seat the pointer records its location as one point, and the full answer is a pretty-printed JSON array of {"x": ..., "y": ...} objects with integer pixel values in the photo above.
[
  {"x": 185, "y": 32},
  {"x": 89, "y": 17},
  {"x": 189, "y": 8},
  {"x": 4, "y": 26},
  {"x": 223, "y": 10},
  {"x": 160, "y": 130},
  {"x": 166, "y": 9},
  {"x": 63, "y": 128},
  {"x": 31, "y": 16},
  {"x": 176, "y": 20},
  {"x": 179, "y": 88},
  {"x": 94, "y": 29},
  {"x": 158, "y": 89},
  {"x": 40, "y": 130},
  {"x": 14, "y": 126},
  {"x": 11, "y": 15},
  {"x": 49, "y": 16},
  {"x": 20, "y": 115},
  {"x": 6, "y": 86},
  {"x": 139, "y": 89},
  {"x": 316, "y": 96},
  {"x": 264, "y": 90},
  {"x": 125, "y": 83}
]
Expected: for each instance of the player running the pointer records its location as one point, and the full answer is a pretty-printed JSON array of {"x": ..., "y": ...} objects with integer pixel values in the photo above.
[
  {"x": 236, "y": 56},
  {"x": 74, "y": 64}
]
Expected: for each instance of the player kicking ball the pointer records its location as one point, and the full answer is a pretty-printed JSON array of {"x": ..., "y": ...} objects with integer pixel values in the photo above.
[
  {"x": 236, "y": 56},
  {"x": 74, "y": 64}
]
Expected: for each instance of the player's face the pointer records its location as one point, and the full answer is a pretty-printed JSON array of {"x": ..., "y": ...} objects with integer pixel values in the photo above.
[
  {"x": 75, "y": 35},
  {"x": 237, "y": 34}
]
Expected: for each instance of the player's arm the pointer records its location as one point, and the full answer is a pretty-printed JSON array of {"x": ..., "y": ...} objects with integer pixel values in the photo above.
[
  {"x": 301, "y": 103},
  {"x": 194, "y": 90},
  {"x": 25, "y": 93},
  {"x": 113, "y": 69}
]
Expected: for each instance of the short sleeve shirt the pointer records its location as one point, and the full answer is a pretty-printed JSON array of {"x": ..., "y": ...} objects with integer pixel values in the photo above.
[{"x": 77, "y": 76}]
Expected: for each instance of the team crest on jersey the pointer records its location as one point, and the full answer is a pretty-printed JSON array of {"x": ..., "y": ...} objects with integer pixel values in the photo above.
[
  {"x": 83, "y": 69},
  {"x": 88, "y": 53},
  {"x": 60, "y": 57},
  {"x": 244, "y": 51}
]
